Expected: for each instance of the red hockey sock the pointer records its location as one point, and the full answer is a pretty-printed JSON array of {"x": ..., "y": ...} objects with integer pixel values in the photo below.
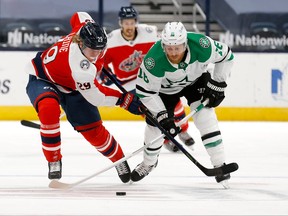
[
  {"x": 104, "y": 142},
  {"x": 49, "y": 113},
  {"x": 179, "y": 113}
]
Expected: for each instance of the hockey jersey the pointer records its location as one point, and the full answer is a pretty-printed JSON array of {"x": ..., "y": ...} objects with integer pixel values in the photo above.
[
  {"x": 158, "y": 74},
  {"x": 78, "y": 19},
  {"x": 126, "y": 56},
  {"x": 64, "y": 65}
]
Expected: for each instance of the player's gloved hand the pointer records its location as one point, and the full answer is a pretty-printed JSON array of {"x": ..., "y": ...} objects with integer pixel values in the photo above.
[
  {"x": 131, "y": 103},
  {"x": 168, "y": 123},
  {"x": 105, "y": 79},
  {"x": 214, "y": 91}
]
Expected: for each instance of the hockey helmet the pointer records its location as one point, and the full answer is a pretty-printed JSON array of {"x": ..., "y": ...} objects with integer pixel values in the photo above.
[
  {"x": 127, "y": 12},
  {"x": 174, "y": 33},
  {"x": 93, "y": 36}
]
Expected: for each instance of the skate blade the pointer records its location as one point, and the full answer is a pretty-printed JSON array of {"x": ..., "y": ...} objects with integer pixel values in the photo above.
[
  {"x": 55, "y": 184},
  {"x": 191, "y": 147},
  {"x": 225, "y": 184}
]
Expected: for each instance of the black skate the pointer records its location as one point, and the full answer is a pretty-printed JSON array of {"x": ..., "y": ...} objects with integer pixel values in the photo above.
[
  {"x": 186, "y": 138},
  {"x": 55, "y": 170},
  {"x": 123, "y": 171},
  {"x": 223, "y": 179},
  {"x": 170, "y": 146},
  {"x": 141, "y": 171}
]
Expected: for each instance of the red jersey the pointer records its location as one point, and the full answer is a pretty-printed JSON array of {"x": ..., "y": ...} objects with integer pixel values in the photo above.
[
  {"x": 126, "y": 56},
  {"x": 64, "y": 65}
]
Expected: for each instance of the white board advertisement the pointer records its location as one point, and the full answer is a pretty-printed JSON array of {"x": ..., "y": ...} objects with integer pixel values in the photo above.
[
  {"x": 13, "y": 78},
  {"x": 256, "y": 80}
]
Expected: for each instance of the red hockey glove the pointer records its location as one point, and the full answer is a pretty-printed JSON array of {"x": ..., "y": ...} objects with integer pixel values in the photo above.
[
  {"x": 105, "y": 79},
  {"x": 131, "y": 103}
]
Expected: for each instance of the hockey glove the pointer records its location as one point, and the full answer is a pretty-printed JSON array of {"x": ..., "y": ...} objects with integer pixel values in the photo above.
[
  {"x": 131, "y": 103},
  {"x": 167, "y": 122},
  {"x": 214, "y": 91},
  {"x": 105, "y": 79}
]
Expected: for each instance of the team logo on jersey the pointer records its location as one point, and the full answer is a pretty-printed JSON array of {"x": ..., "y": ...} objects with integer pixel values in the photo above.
[
  {"x": 182, "y": 65},
  {"x": 132, "y": 62},
  {"x": 149, "y": 63},
  {"x": 204, "y": 42},
  {"x": 110, "y": 35},
  {"x": 149, "y": 29},
  {"x": 84, "y": 64}
]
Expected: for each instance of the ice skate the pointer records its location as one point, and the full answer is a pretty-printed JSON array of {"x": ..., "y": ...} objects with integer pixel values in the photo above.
[
  {"x": 55, "y": 170},
  {"x": 123, "y": 171},
  {"x": 186, "y": 139},
  {"x": 170, "y": 146},
  {"x": 223, "y": 180},
  {"x": 141, "y": 171}
]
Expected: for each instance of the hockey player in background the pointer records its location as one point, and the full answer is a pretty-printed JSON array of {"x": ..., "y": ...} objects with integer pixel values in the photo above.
[
  {"x": 126, "y": 48},
  {"x": 65, "y": 74},
  {"x": 176, "y": 67}
]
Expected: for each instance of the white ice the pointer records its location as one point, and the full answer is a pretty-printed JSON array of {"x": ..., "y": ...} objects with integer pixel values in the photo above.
[{"x": 175, "y": 187}]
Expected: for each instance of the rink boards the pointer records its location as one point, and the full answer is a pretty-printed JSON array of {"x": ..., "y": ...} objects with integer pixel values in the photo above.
[{"x": 257, "y": 89}]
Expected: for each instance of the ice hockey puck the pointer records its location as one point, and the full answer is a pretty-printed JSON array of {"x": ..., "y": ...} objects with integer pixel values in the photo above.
[{"x": 121, "y": 193}]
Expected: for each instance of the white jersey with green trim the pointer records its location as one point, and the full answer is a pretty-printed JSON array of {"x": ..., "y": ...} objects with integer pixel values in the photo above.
[{"x": 158, "y": 74}]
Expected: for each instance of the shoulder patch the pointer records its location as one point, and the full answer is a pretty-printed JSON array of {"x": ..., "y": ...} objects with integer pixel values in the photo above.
[
  {"x": 149, "y": 29},
  {"x": 85, "y": 64},
  {"x": 204, "y": 42},
  {"x": 110, "y": 35},
  {"x": 149, "y": 63}
]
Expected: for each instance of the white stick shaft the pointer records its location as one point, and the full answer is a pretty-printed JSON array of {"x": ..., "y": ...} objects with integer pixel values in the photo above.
[
  {"x": 121, "y": 160},
  {"x": 59, "y": 185},
  {"x": 62, "y": 115},
  {"x": 186, "y": 118}
]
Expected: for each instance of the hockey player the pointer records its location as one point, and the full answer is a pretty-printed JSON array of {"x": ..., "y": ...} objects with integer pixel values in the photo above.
[
  {"x": 176, "y": 67},
  {"x": 65, "y": 74},
  {"x": 126, "y": 49}
]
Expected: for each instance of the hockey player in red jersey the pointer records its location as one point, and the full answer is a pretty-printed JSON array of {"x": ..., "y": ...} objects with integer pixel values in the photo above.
[
  {"x": 126, "y": 49},
  {"x": 65, "y": 74}
]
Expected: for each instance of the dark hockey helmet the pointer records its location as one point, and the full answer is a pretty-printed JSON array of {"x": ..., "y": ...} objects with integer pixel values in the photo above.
[
  {"x": 128, "y": 12},
  {"x": 93, "y": 36}
]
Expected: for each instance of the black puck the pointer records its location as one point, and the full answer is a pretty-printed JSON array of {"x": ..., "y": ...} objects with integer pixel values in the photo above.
[{"x": 120, "y": 193}]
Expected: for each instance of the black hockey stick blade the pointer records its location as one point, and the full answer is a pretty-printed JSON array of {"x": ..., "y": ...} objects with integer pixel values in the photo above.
[
  {"x": 227, "y": 168},
  {"x": 30, "y": 124}
]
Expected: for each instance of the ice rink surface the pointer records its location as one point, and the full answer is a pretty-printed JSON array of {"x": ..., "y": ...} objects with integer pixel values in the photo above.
[{"x": 175, "y": 187}]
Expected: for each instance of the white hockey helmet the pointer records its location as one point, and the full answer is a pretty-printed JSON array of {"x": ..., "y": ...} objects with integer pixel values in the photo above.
[{"x": 174, "y": 33}]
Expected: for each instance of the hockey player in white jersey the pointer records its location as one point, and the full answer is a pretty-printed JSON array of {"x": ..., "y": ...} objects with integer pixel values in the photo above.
[
  {"x": 126, "y": 49},
  {"x": 176, "y": 67}
]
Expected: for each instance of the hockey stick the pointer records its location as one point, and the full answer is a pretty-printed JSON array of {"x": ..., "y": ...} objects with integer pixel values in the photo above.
[
  {"x": 32, "y": 124},
  {"x": 226, "y": 168},
  {"x": 60, "y": 185}
]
